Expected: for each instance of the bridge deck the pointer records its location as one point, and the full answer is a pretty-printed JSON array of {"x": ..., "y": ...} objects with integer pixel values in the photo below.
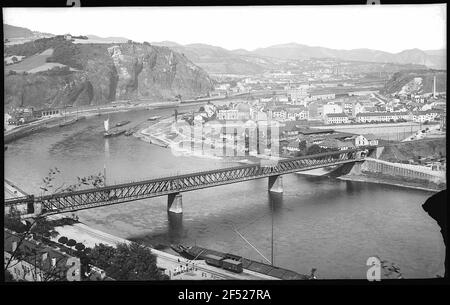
[{"x": 120, "y": 193}]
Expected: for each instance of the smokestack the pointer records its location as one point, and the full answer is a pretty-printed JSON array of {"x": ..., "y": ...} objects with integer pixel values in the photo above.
[{"x": 434, "y": 86}]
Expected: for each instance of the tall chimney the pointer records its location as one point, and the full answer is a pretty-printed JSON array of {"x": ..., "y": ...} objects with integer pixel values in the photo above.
[{"x": 434, "y": 86}]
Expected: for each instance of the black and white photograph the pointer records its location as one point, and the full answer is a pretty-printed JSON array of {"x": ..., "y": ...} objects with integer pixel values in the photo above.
[{"x": 225, "y": 143}]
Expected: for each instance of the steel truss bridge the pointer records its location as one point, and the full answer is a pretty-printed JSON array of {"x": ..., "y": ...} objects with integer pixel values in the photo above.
[{"x": 174, "y": 185}]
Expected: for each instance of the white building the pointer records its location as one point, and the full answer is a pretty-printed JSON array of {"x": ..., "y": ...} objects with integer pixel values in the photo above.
[
  {"x": 360, "y": 140},
  {"x": 336, "y": 118},
  {"x": 380, "y": 117},
  {"x": 358, "y": 108},
  {"x": 297, "y": 113},
  {"x": 227, "y": 114},
  {"x": 279, "y": 114},
  {"x": 331, "y": 108}
]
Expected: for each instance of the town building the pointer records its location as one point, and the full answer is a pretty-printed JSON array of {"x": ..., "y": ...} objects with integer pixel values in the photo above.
[
  {"x": 336, "y": 118},
  {"x": 227, "y": 114},
  {"x": 371, "y": 139},
  {"x": 364, "y": 140},
  {"x": 279, "y": 114},
  {"x": 299, "y": 93},
  {"x": 426, "y": 116},
  {"x": 297, "y": 112},
  {"x": 331, "y": 108},
  {"x": 43, "y": 264},
  {"x": 380, "y": 117},
  {"x": 336, "y": 144},
  {"x": 48, "y": 112}
]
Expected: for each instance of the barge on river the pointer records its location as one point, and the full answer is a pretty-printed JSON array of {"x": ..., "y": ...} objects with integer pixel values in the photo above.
[
  {"x": 199, "y": 253},
  {"x": 113, "y": 133}
]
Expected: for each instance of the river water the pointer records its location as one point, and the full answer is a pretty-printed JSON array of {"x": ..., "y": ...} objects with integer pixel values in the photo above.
[{"x": 318, "y": 222}]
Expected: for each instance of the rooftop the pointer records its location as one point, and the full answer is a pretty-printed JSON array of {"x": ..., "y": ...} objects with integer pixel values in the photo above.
[
  {"x": 336, "y": 115},
  {"x": 365, "y": 114}
]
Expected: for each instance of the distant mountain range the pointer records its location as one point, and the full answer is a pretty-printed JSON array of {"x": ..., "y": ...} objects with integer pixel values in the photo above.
[
  {"x": 431, "y": 58},
  {"x": 219, "y": 60},
  {"x": 240, "y": 61},
  {"x": 11, "y": 32}
]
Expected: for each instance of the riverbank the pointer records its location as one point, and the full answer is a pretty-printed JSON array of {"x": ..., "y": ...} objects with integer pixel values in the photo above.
[
  {"x": 386, "y": 181},
  {"x": 175, "y": 266},
  {"x": 16, "y": 133}
]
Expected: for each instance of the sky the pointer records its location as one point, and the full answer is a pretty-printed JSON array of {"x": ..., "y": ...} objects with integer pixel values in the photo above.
[{"x": 381, "y": 27}]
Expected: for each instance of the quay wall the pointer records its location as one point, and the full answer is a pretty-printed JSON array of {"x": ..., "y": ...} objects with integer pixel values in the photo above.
[{"x": 399, "y": 173}]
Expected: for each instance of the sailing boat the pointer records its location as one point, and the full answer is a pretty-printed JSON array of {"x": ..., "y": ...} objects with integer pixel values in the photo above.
[
  {"x": 106, "y": 123},
  {"x": 111, "y": 132}
]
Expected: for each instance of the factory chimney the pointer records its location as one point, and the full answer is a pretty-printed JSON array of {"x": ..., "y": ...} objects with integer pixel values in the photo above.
[{"x": 434, "y": 86}]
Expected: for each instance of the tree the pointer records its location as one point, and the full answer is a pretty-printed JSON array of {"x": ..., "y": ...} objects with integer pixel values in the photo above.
[
  {"x": 314, "y": 149},
  {"x": 88, "y": 181},
  {"x": 71, "y": 242},
  {"x": 126, "y": 262},
  {"x": 302, "y": 148},
  {"x": 101, "y": 255},
  {"x": 13, "y": 222},
  {"x": 80, "y": 246},
  {"x": 63, "y": 240}
]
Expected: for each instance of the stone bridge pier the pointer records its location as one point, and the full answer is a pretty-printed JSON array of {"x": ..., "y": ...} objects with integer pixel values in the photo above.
[
  {"x": 175, "y": 203},
  {"x": 276, "y": 184}
]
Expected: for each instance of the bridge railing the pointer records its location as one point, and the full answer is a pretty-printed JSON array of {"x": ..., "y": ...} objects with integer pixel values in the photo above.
[{"x": 160, "y": 186}]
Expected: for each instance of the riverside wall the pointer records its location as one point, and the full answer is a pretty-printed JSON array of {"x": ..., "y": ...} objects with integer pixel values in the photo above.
[{"x": 407, "y": 174}]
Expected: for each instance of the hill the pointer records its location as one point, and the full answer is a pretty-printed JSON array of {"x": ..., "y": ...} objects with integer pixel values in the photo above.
[
  {"x": 432, "y": 58},
  {"x": 405, "y": 151},
  {"x": 11, "y": 31},
  {"x": 100, "y": 73},
  {"x": 416, "y": 82},
  {"x": 216, "y": 59},
  {"x": 34, "y": 63},
  {"x": 17, "y": 35}
]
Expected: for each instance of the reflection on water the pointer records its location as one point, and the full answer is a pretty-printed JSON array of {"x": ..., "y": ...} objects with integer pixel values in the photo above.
[
  {"x": 175, "y": 231},
  {"x": 319, "y": 222}
]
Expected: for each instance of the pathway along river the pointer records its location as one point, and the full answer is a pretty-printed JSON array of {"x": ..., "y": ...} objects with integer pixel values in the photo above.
[{"x": 319, "y": 222}]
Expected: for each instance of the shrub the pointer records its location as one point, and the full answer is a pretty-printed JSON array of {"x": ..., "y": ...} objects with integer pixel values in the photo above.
[
  {"x": 71, "y": 242},
  {"x": 79, "y": 247},
  {"x": 63, "y": 240}
]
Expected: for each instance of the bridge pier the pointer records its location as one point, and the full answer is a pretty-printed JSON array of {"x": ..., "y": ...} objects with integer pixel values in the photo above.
[
  {"x": 175, "y": 203},
  {"x": 276, "y": 184}
]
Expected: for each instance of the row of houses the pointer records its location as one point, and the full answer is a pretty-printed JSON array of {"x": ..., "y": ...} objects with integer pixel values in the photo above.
[
  {"x": 385, "y": 117},
  {"x": 24, "y": 115},
  {"x": 290, "y": 113},
  {"x": 337, "y": 142},
  {"x": 292, "y": 133},
  {"x": 415, "y": 116}
]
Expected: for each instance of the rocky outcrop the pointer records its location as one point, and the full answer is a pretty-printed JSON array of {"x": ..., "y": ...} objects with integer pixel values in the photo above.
[
  {"x": 109, "y": 72},
  {"x": 416, "y": 82}
]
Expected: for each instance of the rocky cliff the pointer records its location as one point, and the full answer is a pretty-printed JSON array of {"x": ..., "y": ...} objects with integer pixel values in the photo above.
[{"x": 100, "y": 73}]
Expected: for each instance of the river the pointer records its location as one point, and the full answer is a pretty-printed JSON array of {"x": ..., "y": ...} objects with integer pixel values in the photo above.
[{"x": 319, "y": 222}]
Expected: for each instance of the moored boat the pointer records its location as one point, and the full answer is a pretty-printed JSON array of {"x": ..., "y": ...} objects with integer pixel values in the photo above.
[
  {"x": 69, "y": 122},
  {"x": 154, "y": 118},
  {"x": 199, "y": 253},
  {"x": 122, "y": 123},
  {"x": 113, "y": 132}
]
